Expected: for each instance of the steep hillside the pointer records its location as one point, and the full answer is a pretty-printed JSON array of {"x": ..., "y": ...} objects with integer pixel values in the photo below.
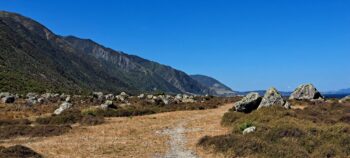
[
  {"x": 215, "y": 86},
  {"x": 32, "y": 58}
]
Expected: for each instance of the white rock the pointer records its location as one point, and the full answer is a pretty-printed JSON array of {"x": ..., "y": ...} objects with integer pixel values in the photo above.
[
  {"x": 249, "y": 130},
  {"x": 64, "y": 106},
  {"x": 141, "y": 96}
]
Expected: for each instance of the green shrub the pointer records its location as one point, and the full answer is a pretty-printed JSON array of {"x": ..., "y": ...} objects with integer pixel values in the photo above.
[{"x": 245, "y": 125}]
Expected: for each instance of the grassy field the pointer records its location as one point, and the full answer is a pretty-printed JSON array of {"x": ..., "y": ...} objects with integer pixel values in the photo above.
[{"x": 90, "y": 131}]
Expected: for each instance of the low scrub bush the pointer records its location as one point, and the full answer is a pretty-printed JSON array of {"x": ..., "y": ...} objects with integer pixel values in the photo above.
[
  {"x": 245, "y": 125},
  {"x": 8, "y": 122},
  {"x": 90, "y": 120},
  {"x": 32, "y": 131},
  {"x": 18, "y": 151}
]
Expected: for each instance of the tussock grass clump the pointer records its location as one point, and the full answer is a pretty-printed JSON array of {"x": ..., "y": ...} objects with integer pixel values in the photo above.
[
  {"x": 18, "y": 151},
  {"x": 8, "y": 122},
  {"x": 32, "y": 131},
  {"x": 87, "y": 117},
  {"x": 67, "y": 117},
  {"x": 320, "y": 130},
  {"x": 91, "y": 120}
]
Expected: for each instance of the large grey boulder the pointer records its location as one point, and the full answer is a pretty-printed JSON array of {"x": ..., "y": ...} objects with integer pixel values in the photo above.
[
  {"x": 63, "y": 107},
  {"x": 8, "y": 99},
  {"x": 249, "y": 103},
  {"x": 272, "y": 98},
  {"x": 306, "y": 92}
]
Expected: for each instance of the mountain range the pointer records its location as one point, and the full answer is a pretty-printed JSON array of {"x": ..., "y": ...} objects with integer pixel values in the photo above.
[
  {"x": 33, "y": 58},
  {"x": 215, "y": 87}
]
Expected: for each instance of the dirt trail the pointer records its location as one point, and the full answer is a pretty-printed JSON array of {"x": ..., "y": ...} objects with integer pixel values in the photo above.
[{"x": 169, "y": 135}]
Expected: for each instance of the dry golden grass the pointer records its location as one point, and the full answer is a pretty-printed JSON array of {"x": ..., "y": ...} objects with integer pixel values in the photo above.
[{"x": 128, "y": 137}]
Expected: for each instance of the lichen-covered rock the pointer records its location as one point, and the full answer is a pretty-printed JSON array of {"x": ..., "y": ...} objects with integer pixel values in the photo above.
[
  {"x": 306, "y": 92},
  {"x": 64, "y": 106},
  {"x": 272, "y": 98},
  {"x": 249, "y": 103}
]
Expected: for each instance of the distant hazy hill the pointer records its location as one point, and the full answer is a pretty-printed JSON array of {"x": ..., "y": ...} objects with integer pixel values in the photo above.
[
  {"x": 341, "y": 91},
  {"x": 262, "y": 93},
  {"x": 215, "y": 86},
  {"x": 32, "y": 58}
]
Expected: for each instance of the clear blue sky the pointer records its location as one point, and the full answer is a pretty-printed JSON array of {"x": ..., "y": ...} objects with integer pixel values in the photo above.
[{"x": 247, "y": 44}]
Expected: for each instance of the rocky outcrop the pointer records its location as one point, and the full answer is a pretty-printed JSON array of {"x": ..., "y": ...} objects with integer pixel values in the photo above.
[
  {"x": 306, "y": 92},
  {"x": 248, "y": 103},
  {"x": 272, "y": 98}
]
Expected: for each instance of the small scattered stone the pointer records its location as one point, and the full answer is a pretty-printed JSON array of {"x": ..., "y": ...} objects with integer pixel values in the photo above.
[{"x": 249, "y": 130}]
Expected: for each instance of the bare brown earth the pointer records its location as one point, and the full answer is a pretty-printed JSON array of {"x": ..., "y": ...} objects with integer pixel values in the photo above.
[{"x": 141, "y": 136}]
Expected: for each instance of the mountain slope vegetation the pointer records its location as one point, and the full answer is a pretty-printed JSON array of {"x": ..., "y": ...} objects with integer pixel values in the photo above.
[{"x": 33, "y": 58}]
